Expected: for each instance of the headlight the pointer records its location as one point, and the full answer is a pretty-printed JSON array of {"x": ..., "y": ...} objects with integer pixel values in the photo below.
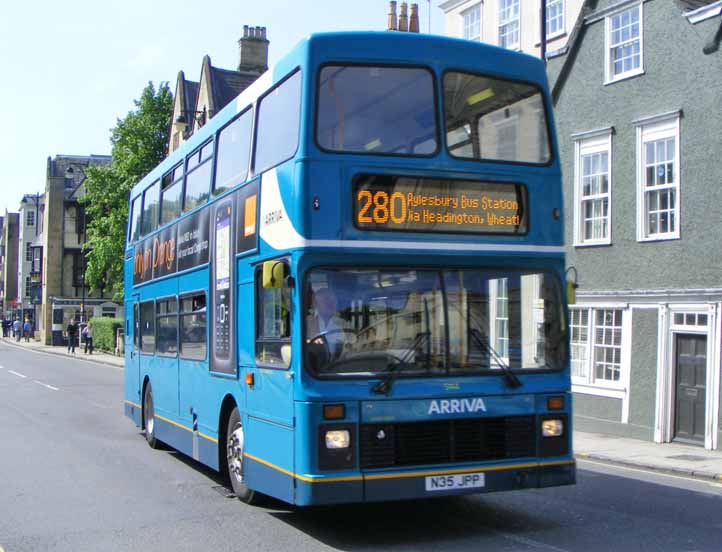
[
  {"x": 338, "y": 439},
  {"x": 550, "y": 428}
]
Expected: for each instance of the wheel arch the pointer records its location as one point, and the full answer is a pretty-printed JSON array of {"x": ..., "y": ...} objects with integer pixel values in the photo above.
[
  {"x": 146, "y": 382},
  {"x": 227, "y": 405}
]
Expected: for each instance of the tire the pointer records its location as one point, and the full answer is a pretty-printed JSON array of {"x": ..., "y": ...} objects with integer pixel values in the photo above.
[
  {"x": 149, "y": 418},
  {"x": 234, "y": 459}
]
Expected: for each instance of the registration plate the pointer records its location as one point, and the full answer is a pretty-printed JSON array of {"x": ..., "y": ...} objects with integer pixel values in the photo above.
[{"x": 456, "y": 481}]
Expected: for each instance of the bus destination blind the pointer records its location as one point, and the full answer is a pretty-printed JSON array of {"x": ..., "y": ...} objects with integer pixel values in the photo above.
[{"x": 407, "y": 204}]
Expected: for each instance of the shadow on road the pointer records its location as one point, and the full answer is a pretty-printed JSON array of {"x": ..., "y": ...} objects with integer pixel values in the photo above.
[{"x": 449, "y": 523}]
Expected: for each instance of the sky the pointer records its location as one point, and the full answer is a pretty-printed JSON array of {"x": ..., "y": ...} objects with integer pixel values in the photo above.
[{"x": 69, "y": 70}]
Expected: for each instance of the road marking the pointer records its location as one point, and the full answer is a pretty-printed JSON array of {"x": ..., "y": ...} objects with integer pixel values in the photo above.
[
  {"x": 651, "y": 472},
  {"x": 46, "y": 385},
  {"x": 16, "y": 374},
  {"x": 527, "y": 541}
]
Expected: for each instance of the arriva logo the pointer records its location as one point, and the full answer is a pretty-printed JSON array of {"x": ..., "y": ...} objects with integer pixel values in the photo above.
[{"x": 457, "y": 406}]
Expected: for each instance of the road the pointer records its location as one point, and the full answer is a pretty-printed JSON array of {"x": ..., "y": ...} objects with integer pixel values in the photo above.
[{"x": 76, "y": 475}]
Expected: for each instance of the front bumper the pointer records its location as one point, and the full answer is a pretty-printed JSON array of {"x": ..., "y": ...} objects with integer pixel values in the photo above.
[{"x": 410, "y": 484}]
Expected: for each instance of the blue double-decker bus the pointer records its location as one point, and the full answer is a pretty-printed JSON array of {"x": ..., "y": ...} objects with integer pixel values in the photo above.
[{"x": 347, "y": 285}]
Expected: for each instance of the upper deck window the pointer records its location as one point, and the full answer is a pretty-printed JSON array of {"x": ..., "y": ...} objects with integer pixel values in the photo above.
[
  {"x": 134, "y": 233},
  {"x": 365, "y": 109},
  {"x": 151, "y": 201},
  {"x": 171, "y": 195},
  {"x": 198, "y": 179},
  {"x": 279, "y": 116},
  {"x": 234, "y": 149},
  {"x": 494, "y": 119}
]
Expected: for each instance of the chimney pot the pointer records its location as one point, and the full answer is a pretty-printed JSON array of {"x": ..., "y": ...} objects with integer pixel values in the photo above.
[
  {"x": 245, "y": 31},
  {"x": 392, "y": 23},
  {"x": 414, "y": 21},
  {"x": 404, "y": 18}
]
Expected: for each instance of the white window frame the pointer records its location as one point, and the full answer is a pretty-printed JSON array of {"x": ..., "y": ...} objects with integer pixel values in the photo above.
[
  {"x": 609, "y": 76},
  {"x": 650, "y": 130},
  {"x": 589, "y": 384},
  {"x": 494, "y": 336},
  {"x": 30, "y": 218},
  {"x": 465, "y": 26},
  {"x": 504, "y": 22},
  {"x": 562, "y": 28},
  {"x": 587, "y": 144}
]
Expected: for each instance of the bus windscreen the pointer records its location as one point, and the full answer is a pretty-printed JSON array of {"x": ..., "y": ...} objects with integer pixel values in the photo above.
[
  {"x": 377, "y": 110},
  {"x": 493, "y": 119}
]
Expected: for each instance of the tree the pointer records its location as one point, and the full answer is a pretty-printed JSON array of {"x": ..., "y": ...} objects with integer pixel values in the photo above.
[{"x": 139, "y": 143}]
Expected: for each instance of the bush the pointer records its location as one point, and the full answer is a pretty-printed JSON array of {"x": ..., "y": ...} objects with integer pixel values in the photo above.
[{"x": 104, "y": 330}]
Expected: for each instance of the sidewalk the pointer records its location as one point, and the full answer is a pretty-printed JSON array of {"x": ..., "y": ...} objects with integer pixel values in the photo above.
[
  {"x": 97, "y": 356},
  {"x": 673, "y": 458}
]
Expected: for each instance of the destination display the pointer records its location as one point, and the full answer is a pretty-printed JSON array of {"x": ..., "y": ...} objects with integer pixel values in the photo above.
[{"x": 408, "y": 204}]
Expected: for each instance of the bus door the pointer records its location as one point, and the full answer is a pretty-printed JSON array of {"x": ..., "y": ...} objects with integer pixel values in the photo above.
[
  {"x": 269, "y": 398},
  {"x": 132, "y": 350}
]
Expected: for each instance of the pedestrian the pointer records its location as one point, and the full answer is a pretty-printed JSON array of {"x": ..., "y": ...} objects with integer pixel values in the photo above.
[
  {"x": 88, "y": 334},
  {"x": 72, "y": 332},
  {"x": 6, "y": 327},
  {"x": 17, "y": 329},
  {"x": 27, "y": 328}
]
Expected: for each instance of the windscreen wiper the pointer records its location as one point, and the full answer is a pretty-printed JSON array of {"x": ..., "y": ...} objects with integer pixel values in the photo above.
[
  {"x": 394, "y": 368},
  {"x": 509, "y": 376}
]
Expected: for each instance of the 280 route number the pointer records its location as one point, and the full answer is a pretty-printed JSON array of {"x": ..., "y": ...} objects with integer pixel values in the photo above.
[{"x": 378, "y": 207}]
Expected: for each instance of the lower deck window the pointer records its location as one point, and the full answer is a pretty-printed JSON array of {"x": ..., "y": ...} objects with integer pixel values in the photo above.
[
  {"x": 167, "y": 323},
  {"x": 193, "y": 334},
  {"x": 147, "y": 327}
]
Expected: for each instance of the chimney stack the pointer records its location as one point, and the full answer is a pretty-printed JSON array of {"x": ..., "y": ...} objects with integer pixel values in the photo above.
[
  {"x": 392, "y": 24},
  {"x": 253, "y": 50},
  {"x": 404, "y": 18},
  {"x": 414, "y": 21}
]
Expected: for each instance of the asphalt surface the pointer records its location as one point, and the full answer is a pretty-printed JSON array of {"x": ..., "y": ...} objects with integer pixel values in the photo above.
[{"x": 76, "y": 475}]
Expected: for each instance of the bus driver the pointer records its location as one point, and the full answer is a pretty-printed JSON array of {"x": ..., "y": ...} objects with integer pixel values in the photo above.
[{"x": 324, "y": 324}]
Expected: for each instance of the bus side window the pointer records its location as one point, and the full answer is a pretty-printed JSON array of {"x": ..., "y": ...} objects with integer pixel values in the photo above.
[
  {"x": 167, "y": 325},
  {"x": 134, "y": 231},
  {"x": 147, "y": 327},
  {"x": 136, "y": 326},
  {"x": 151, "y": 200},
  {"x": 198, "y": 178},
  {"x": 233, "y": 153},
  {"x": 279, "y": 115},
  {"x": 171, "y": 195},
  {"x": 273, "y": 324},
  {"x": 193, "y": 340}
]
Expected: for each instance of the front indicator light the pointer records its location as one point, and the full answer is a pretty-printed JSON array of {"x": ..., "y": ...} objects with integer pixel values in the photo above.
[
  {"x": 550, "y": 428},
  {"x": 338, "y": 439}
]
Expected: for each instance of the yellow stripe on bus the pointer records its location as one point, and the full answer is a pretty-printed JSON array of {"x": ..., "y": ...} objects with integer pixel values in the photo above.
[
  {"x": 189, "y": 430},
  {"x": 314, "y": 479}
]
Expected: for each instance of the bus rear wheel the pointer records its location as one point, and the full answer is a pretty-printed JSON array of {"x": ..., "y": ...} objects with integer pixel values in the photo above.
[
  {"x": 234, "y": 458},
  {"x": 149, "y": 417}
]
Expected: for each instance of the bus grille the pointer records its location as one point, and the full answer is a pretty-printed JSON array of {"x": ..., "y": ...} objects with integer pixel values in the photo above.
[{"x": 446, "y": 441}]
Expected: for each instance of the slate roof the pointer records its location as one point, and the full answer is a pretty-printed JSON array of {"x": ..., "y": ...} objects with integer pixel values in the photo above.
[
  {"x": 226, "y": 85},
  {"x": 190, "y": 94}
]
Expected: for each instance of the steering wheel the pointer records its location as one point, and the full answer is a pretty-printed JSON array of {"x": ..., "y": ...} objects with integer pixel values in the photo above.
[{"x": 322, "y": 338}]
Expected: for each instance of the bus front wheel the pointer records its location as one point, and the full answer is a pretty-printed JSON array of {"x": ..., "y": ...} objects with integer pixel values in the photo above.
[
  {"x": 234, "y": 457},
  {"x": 149, "y": 417}
]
